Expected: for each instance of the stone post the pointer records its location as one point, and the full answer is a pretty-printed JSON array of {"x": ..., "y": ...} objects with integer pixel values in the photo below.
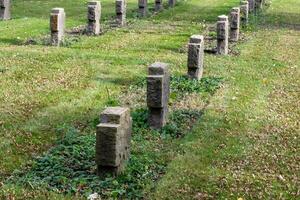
[
  {"x": 158, "y": 89},
  {"x": 172, "y": 3},
  {"x": 121, "y": 12},
  {"x": 57, "y": 25},
  {"x": 222, "y": 35},
  {"x": 94, "y": 16},
  {"x": 158, "y": 5},
  {"x": 143, "y": 8},
  {"x": 251, "y": 5},
  {"x": 195, "y": 57},
  {"x": 258, "y": 4},
  {"x": 113, "y": 140},
  {"x": 4, "y": 9},
  {"x": 234, "y": 24},
  {"x": 244, "y": 12}
]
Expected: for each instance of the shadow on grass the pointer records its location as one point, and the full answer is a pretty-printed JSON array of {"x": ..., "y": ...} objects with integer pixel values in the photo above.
[{"x": 12, "y": 41}]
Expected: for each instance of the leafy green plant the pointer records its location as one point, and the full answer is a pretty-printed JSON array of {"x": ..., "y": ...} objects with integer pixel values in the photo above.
[
  {"x": 180, "y": 122},
  {"x": 69, "y": 167},
  {"x": 183, "y": 85}
]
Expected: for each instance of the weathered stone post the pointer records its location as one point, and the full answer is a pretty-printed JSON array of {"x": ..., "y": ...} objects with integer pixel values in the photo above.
[
  {"x": 222, "y": 35},
  {"x": 258, "y": 4},
  {"x": 172, "y": 3},
  {"x": 113, "y": 140},
  {"x": 143, "y": 8},
  {"x": 234, "y": 24},
  {"x": 158, "y": 89},
  {"x": 4, "y": 9},
  {"x": 121, "y": 12},
  {"x": 244, "y": 12},
  {"x": 195, "y": 57},
  {"x": 158, "y": 5},
  {"x": 251, "y": 5},
  {"x": 57, "y": 25},
  {"x": 94, "y": 16}
]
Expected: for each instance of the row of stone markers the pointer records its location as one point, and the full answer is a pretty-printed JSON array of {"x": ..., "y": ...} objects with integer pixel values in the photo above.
[
  {"x": 5, "y": 6},
  {"x": 228, "y": 28},
  {"x": 58, "y": 16},
  {"x": 114, "y": 131}
]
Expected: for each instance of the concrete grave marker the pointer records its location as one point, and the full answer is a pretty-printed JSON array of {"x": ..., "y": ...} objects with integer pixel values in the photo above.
[
  {"x": 57, "y": 25},
  {"x": 258, "y": 4},
  {"x": 94, "y": 16},
  {"x": 244, "y": 12},
  {"x": 234, "y": 24},
  {"x": 143, "y": 8},
  {"x": 158, "y": 5},
  {"x": 113, "y": 140},
  {"x": 172, "y": 3},
  {"x": 121, "y": 12},
  {"x": 5, "y": 9},
  {"x": 222, "y": 35},
  {"x": 158, "y": 89},
  {"x": 251, "y": 5},
  {"x": 195, "y": 57}
]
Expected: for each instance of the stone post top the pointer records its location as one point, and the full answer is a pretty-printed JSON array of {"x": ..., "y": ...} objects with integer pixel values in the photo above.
[
  {"x": 57, "y": 10},
  {"x": 222, "y": 18},
  {"x": 93, "y": 2},
  {"x": 158, "y": 68},
  {"x": 115, "y": 110},
  {"x": 196, "y": 38},
  {"x": 235, "y": 9},
  {"x": 4, "y": 2}
]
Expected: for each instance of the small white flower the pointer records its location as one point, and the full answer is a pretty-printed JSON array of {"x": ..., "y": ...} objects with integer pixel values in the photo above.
[{"x": 94, "y": 196}]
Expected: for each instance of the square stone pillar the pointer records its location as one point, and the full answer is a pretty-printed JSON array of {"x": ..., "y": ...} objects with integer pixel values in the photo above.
[
  {"x": 113, "y": 140},
  {"x": 5, "y": 9},
  {"x": 158, "y": 89},
  {"x": 94, "y": 16},
  {"x": 234, "y": 24},
  {"x": 244, "y": 12},
  {"x": 222, "y": 35},
  {"x": 121, "y": 12},
  {"x": 172, "y": 3},
  {"x": 57, "y": 25},
  {"x": 158, "y": 5},
  {"x": 251, "y": 5},
  {"x": 195, "y": 57},
  {"x": 258, "y": 4},
  {"x": 143, "y": 8}
]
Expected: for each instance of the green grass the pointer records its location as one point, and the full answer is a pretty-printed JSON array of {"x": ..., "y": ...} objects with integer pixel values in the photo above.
[
  {"x": 247, "y": 143},
  {"x": 46, "y": 88},
  {"x": 48, "y": 91}
]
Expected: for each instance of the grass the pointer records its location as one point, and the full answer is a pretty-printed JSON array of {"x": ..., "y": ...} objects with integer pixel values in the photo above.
[
  {"x": 48, "y": 92},
  {"x": 47, "y": 88},
  {"x": 246, "y": 145},
  {"x": 69, "y": 167}
]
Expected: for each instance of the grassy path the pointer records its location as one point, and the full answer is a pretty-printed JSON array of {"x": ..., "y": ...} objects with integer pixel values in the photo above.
[{"x": 247, "y": 144}]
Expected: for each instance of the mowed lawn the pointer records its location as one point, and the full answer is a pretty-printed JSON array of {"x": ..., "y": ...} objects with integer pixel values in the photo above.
[
  {"x": 45, "y": 90},
  {"x": 245, "y": 146}
]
